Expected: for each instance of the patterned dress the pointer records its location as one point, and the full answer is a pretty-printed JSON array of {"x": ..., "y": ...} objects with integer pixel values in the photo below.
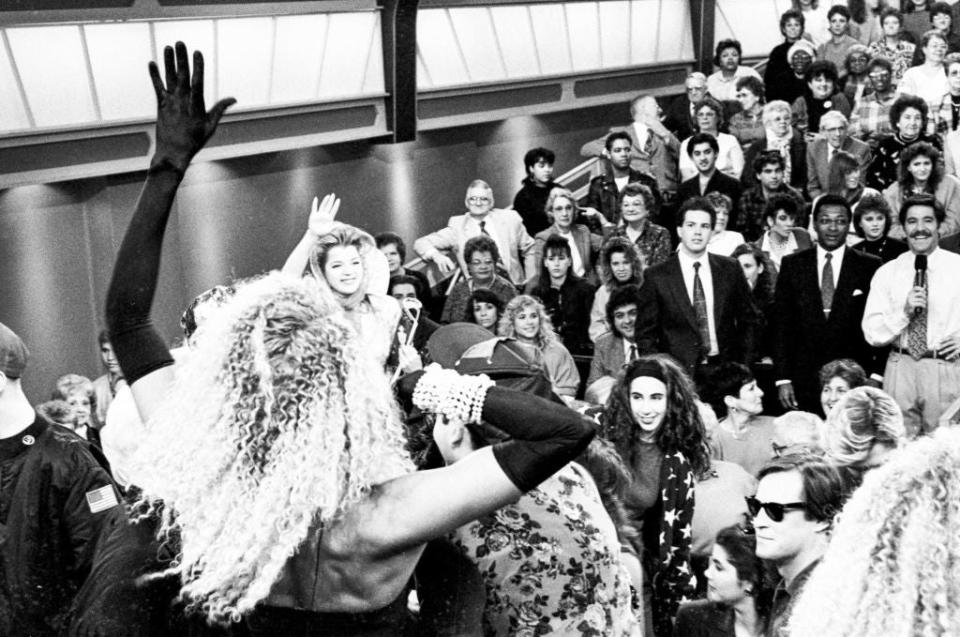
[{"x": 551, "y": 563}]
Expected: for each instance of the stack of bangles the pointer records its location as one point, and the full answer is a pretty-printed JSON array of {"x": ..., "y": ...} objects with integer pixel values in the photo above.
[{"x": 444, "y": 391}]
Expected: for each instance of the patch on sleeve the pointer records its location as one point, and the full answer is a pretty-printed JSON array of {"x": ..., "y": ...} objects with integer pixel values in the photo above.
[{"x": 101, "y": 499}]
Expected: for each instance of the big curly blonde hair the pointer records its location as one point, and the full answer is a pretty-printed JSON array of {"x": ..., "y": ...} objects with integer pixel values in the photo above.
[
  {"x": 893, "y": 565},
  {"x": 277, "y": 422}
]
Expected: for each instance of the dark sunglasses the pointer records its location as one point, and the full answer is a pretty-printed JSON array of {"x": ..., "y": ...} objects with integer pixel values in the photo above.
[{"x": 774, "y": 510}]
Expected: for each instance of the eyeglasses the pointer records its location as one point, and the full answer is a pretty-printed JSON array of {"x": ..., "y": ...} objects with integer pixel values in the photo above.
[
  {"x": 774, "y": 510},
  {"x": 478, "y": 199}
]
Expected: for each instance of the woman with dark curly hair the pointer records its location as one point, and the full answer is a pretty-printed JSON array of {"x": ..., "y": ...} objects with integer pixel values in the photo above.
[
  {"x": 921, "y": 172},
  {"x": 908, "y": 117},
  {"x": 620, "y": 264},
  {"x": 738, "y": 591},
  {"x": 652, "y": 419}
]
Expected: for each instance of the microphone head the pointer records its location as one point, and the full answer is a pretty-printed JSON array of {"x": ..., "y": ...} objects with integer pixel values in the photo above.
[
  {"x": 920, "y": 262},
  {"x": 411, "y": 307}
]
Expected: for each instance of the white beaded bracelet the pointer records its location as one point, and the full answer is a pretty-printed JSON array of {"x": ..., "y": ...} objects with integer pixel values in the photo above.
[{"x": 446, "y": 392}]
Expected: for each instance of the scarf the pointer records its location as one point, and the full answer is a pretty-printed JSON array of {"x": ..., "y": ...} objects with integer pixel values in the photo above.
[{"x": 782, "y": 144}]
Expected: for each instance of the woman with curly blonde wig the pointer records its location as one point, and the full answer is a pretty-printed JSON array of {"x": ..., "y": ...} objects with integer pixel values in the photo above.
[
  {"x": 893, "y": 564},
  {"x": 274, "y": 453}
]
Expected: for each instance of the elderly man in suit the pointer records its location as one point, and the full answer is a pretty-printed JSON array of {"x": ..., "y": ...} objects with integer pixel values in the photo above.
[
  {"x": 680, "y": 118},
  {"x": 505, "y": 227},
  {"x": 617, "y": 347},
  {"x": 834, "y": 127},
  {"x": 820, "y": 296},
  {"x": 696, "y": 306}
]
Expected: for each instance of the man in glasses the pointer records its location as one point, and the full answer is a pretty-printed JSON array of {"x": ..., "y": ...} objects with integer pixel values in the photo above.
[{"x": 797, "y": 498}]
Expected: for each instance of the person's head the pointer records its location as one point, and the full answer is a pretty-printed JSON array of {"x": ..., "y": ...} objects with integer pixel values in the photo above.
[
  {"x": 730, "y": 388},
  {"x": 781, "y": 213},
  {"x": 891, "y": 22},
  {"x": 655, "y": 401},
  {"x": 908, "y": 116},
  {"x": 838, "y": 18},
  {"x": 403, "y": 287},
  {"x": 871, "y": 219},
  {"x": 831, "y": 218},
  {"x": 479, "y": 198},
  {"x": 863, "y": 428},
  {"x": 480, "y": 253},
  {"x": 880, "y": 73},
  {"x": 796, "y": 431},
  {"x": 77, "y": 391},
  {"x": 834, "y": 125},
  {"x": 538, "y": 163},
  {"x": 951, "y": 66},
  {"x": 805, "y": 5},
  {"x": 844, "y": 173},
  {"x": 703, "y": 149},
  {"x": 756, "y": 267},
  {"x": 562, "y": 207},
  {"x": 800, "y": 56},
  {"x": 620, "y": 262},
  {"x": 636, "y": 202},
  {"x": 337, "y": 259},
  {"x": 919, "y": 166},
  {"x": 696, "y": 87},
  {"x": 59, "y": 412},
  {"x": 821, "y": 78},
  {"x": 646, "y": 107},
  {"x": 107, "y": 356},
  {"x": 769, "y": 166},
  {"x": 525, "y": 319},
  {"x": 792, "y": 24},
  {"x": 734, "y": 572},
  {"x": 893, "y": 555},
  {"x": 750, "y": 92},
  {"x": 393, "y": 248},
  {"x": 934, "y": 46},
  {"x": 728, "y": 54},
  {"x": 556, "y": 261},
  {"x": 777, "y": 117},
  {"x": 722, "y": 204},
  {"x": 619, "y": 146},
  {"x": 697, "y": 219},
  {"x": 836, "y": 379},
  {"x": 797, "y": 497},
  {"x": 484, "y": 308},
  {"x": 202, "y": 306},
  {"x": 921, "y": 216},
  {"x": 708, "y": 114},
  {"x": 621, "y": 310},
  {"x": 941, "y": 18}
]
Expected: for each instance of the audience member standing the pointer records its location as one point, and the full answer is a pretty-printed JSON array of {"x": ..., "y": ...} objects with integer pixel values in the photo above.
[
  {"x": 778, "y": 69},
  {"x": 604, "y": 192},
  {"x": 914, "y": 305},
  {"x": 892, "y": 45},
  {"x": 722, "y": 85},
  {"x": 105, "y": 387},
  {"x": 836, "y": 46},
  {"x": 531, "y": 200}
]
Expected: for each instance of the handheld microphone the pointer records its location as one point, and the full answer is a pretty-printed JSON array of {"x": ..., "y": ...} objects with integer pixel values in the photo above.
[{"x": 920, "y": 278}]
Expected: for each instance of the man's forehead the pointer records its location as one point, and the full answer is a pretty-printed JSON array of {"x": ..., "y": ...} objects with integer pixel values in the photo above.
[
  {"x": 478, "y": 191},
  {"x": 625, "y": 309},
  {"x": 696, "y": 82},
  {"x": 781, "y": 486},
  {"x": 918, "y": 213}
]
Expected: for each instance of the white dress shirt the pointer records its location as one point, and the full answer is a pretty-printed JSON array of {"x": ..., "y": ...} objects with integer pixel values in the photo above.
[
  {"x": 706, "y": 279},
  {"x": 836, "y": 263},
  {"x": 575, "y": 259}
]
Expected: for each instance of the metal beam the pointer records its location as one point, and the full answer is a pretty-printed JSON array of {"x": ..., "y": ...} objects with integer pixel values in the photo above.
[
  {"x": 398, "y": 19},
  {"x": 703, "y": 17}
]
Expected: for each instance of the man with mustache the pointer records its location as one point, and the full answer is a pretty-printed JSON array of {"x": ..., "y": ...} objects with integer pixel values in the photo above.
[{"x": 920, "y": 322}]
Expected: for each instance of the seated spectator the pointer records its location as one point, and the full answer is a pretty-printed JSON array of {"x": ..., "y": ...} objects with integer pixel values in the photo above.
[
  {"x": 782, "y": 237},
  {"x": 761, "y": 276},
  {"x": 743, "y": 434},
  {"x": 856, "y": 83},
  {"x": 485, "y": 309},
  {"x": 825, "y": 94},
  {"x": 947, "y": 116},
  {"x": 778, "y": 71},
  {"x": 680, "y": 117},
  {"x": 566, "y": 297},
  {"x": 837, "y": 45},
  {"x": 722, "y": 85},
  {"x": 845, "y": 178},
  {"x": 531, "y": 200},
  {"x": 921, "y": 172},
  {"x": 941, "y": 21},
  {"x": 815, "y": 19},
  {"x": 908, "y": 118},
  {"x": 603, "y": 195},
  {"x": 505, "y": 227},
  {"x": 703, "y": 150},
  {"x": 620, "y": 264},
  {"x": 820, "y": 152},
  {"x": 928, "y": 81},
  {"x": 781, "y": 137},
  {"x": 794, "y": 86},
  {"x": 77, "y": 391},
  {"x": 797, "y": 431},
  {"x": 651, "y": 240},
  {"x": 615, "y": 348},
  {"x": 870, "y": 120},
  {"x": 836, "y": 379},
  {"x": 893, "y": 556},
  {"x": 710, "y": 119},
  {"x": 481, "y": 256},
  {"x": 769, "y": 172},
  {"x": 564, "y": 215},
  {"x": 722, "y": 241},
  {"x": 747, "y": 123},
  {"x": 415, "y": 326},
  {"x": 738, "y": 594},
  {"x": 893, "y": 46},
  {"x": 105, "y": 387},
  {"x": 395, "y": 250},
  {"x": 871, "y": 219},
  {"x": 525, "y": 321},
  {"x": 654, "y": 149}
]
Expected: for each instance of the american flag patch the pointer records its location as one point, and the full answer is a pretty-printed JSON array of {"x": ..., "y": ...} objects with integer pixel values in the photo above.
[{"x": 101, "y": 499}]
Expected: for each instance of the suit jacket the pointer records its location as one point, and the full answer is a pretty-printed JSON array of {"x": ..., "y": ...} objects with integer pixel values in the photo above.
[
  {"x": 509, "y": 234},
  {"x": 804, "y": 339},
  {"x": 818, "y": 166},
  {"x": 588, "y": 245},
  {"x": 608, "y": 357},
  {"x": 719, "y": 182},
  {"x": 704, "y": 618},
  {"x": 667, "y": 323}
]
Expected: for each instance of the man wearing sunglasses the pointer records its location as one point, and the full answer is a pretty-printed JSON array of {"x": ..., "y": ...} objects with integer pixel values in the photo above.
[{"x": 797, "y": 497}]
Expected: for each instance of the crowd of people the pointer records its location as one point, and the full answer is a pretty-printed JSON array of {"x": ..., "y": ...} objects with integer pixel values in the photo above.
[{"x": 712, "y": 396}]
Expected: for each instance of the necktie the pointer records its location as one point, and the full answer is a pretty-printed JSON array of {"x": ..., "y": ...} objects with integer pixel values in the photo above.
[
  {"x": 826, "y": 284},
  {"x": 700, "y": 309},
  {"x": 483, "y": 228},
  {"x": 633, "y": 354},
  {"x": 917, "y": 334}
]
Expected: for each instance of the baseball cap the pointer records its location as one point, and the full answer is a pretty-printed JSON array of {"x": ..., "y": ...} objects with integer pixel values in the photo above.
[{"x": 13, "y": 353}]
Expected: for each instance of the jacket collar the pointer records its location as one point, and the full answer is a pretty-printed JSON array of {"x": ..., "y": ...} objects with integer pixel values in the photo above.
[{"x": 15, "y": 445}]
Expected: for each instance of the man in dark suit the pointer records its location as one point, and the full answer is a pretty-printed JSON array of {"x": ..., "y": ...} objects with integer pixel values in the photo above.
[
  {"x": 696, "y": 306},
  {"x": 833, "y": 126},
  {"x": 679, "y": 117},
  {"x": 819, "y": 301},
  {"x": 703, "y": 150}
]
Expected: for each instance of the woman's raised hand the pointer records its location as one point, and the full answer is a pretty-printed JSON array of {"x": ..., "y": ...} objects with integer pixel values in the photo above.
[{"x": 323, "y": 215}]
